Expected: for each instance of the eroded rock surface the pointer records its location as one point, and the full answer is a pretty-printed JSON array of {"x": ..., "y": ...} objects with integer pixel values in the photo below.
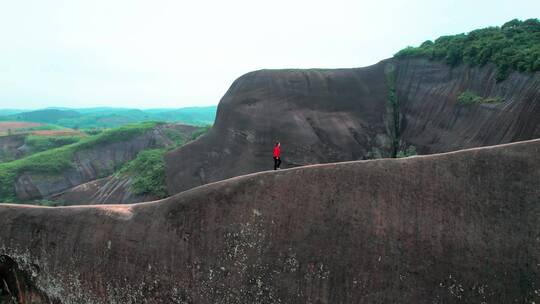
[
  {"x": 323, "y": 116},
  {"x": 447, "y": 228},
  {"x": 434, "y": 121},
  {"x": 113, "y": 189},
  {"x": 319, "y": 116}
]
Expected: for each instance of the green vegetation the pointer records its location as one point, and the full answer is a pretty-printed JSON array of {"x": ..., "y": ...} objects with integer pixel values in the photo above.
[
  {"x": 409, "y": 151},
  {"x": 43, "y": 116},
  {"x": 203, "y": 130},
  {"x": 148, "y": 169},
  {"x": 55, "y": 160},
  {"x": 6, "y": 155},
  {"x": 46, "y": 127},
  {"x": 392, "y": 99},
  {"x": 38, "y": 143},
  {"x": 469, "y": 97},
  {"x": 118, "y": 134},
  {"x": 48, "y": 203},
  {"x": 513, "y": 46},
  {"x": 175, "y": 136},
  {"x": 148, "y": 173}
]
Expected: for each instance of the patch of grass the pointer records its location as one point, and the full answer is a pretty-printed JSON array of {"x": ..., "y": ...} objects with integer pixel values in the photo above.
[
  {"x": 148, "y": 173},
  {"x": 5, "y": 156},
  {"x": 409, "y": 151},
  {"x": 54, "y": 161},
  {"x": 48, "y": 203},
  {"x": 392, "y": 99},
  {"x": 93, "y": 131},
  {"x": 203, "y": 130},
  {"x": 37, "y": 143},
  {"x": 513, "y": 46},
  {"x": 175, "y": 136},
  {"x": 118, "y": 134},
  {"x": 148, "y": 169},
  {"x": 468, "y": 97}
]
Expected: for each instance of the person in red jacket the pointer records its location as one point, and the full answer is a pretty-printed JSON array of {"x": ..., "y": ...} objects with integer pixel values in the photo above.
[{"x": 277, "y": 155}]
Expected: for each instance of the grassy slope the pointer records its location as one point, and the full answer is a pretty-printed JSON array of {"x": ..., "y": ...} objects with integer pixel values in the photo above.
[
  {"x": 58, "y": 159},
  {"x": 148, "y": 169},
  {"x": 513, "y": 46}
]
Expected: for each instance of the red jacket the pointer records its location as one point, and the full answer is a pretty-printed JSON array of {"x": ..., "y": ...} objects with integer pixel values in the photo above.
[{"x": 277, "y": 151}]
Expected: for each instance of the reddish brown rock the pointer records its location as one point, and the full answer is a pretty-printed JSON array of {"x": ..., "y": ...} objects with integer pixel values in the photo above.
[
  {"x": 323, "y": 116},
  {"x": 448, "y": 228},
  {"x": 318, "y": 115},
  {"x": 434, "y": 121},
  {"x": 113, "y": 189}
]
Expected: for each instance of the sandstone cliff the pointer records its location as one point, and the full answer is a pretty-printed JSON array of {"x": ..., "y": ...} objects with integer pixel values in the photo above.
[
  {"x": 319, "y": 116},
  {"x": 323, "y": 116},
  {"x": 443, "y": 228},
  {"x": 434, "y": 121}
]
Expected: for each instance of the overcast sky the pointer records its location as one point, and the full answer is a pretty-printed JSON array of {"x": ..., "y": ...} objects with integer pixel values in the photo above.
[{"x": 160, "y": 53}]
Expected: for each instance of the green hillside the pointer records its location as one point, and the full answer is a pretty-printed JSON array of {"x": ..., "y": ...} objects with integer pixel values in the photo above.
[
  {"x": 148, "y": 169},
  {"x": 515, "y": 46},
  {"x": 57, "y": 159}
]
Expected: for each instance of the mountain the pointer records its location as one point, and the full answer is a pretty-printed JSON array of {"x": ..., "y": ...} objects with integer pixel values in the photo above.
[
  {"x": 4, "y": 112},
  {"x": 460, "y": 226},
  {"x": 195, "y": 115},
  {"x": 461, "y": 91},
  {"x": 45, "y": 115},
  {"x": 69, "y": 171},
  {"x": 323, "y": 116},
  {"x": 349, "y": 223},
  {"x": 104, "y": 117}
]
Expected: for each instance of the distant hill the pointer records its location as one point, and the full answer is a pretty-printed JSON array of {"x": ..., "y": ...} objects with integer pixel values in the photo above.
[
  {"x": 196, "y": 115},
  {"x": 45, "y": 115},
  {"x": 4, "y": 112},
  {"x": 103, "y": 117}
]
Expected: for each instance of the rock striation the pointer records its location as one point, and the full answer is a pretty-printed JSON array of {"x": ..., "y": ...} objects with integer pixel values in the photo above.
[
  {"x": 323, "y": 116},
  {"x": 444, "y": 228}
]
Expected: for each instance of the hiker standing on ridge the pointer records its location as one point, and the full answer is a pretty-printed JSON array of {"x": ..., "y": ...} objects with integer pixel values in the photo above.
[{"x": 277, "y": 155}]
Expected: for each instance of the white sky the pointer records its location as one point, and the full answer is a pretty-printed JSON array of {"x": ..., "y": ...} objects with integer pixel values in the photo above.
[{"x": 164, "y": 53}]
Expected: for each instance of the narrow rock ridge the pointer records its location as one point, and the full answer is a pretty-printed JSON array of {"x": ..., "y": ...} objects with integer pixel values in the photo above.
[{"x": 438, "y": 228}]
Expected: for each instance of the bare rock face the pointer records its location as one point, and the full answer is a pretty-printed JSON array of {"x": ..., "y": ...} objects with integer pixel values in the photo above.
[
  {"x": 108, "y": 190},
  {"x": 323, "y": 116},
  {"x": 434, "y": 121},
  {"x": 444, "y": 228},
  {"x": 318, "y": 115}
]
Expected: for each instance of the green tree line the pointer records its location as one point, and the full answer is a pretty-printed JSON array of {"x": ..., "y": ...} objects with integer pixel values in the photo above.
[{"x": 515, "y": 46}]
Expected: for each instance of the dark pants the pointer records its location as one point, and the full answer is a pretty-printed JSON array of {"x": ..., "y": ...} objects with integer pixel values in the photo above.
[{"x": 277, "y": 162}]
